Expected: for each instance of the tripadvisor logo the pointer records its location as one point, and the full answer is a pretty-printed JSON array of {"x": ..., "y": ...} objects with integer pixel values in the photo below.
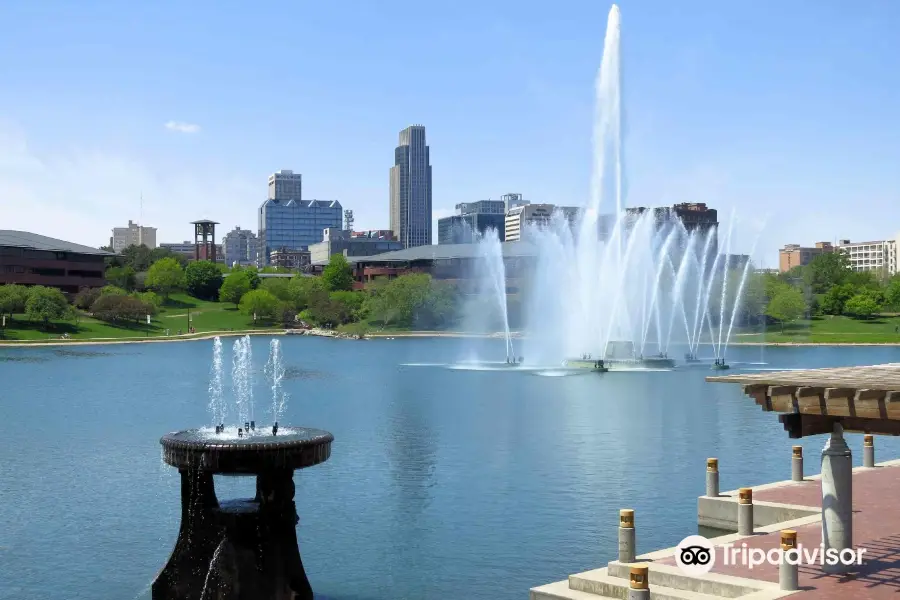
[{"x": 696, "y": 555}]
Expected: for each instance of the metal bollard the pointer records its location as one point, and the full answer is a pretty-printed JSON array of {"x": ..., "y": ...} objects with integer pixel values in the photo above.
[
  {"x": 639, "y": 584},
  {"x": 869, "y": 451},
  {"x": 797, "y": 463},
  {"x": 627, "y": 547},
  {"x": 788, "y": 570},
  {"x": 712, "y": 477},
  {"x": 745, "y": 511}
]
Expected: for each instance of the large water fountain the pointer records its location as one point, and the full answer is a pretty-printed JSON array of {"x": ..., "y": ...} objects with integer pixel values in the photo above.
[
  {"x": 239, "y": 549},
  {"x": 621, "y": 285}
]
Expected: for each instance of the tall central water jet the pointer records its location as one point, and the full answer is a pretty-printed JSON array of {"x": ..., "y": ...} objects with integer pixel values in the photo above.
[
  {"x": 216, "y": 391},
  {"x": 241, "y": 382},
  {"x": 275, "y": 375},
  {"x": 613, "y": 283}
]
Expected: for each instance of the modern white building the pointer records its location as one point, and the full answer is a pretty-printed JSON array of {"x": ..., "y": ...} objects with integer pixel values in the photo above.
[
  {"x": 285, "y": 185},
  {"x": 133, "y": 235},
  {"x": 343, "y": 241},
  {"x": 513, "y": 200},
  {"x": 520, "y": 217},
  {"x": 880, "y": 255}
]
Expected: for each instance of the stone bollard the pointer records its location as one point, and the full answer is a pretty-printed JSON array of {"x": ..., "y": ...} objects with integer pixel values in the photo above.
[
  {"x": 788, "y": 570},
  {"x": 639, "y": 584},
  {"x": 712, "y": 477},
  {"x": 869, "y": 451},
  {"x": 745, "y": 511},
  {"x": 797, "y": 463},
  {"x": 837, "y": 497},
  {"x": 627, "y": 545}
]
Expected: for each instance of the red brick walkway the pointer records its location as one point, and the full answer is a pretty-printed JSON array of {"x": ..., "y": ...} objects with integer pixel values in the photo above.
[{"x": 876, "y": 527}]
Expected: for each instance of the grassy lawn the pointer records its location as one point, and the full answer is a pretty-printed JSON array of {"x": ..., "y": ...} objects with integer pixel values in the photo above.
[
  {"x": 829, "y": 329},
  {"x": 205, "y": 317}
]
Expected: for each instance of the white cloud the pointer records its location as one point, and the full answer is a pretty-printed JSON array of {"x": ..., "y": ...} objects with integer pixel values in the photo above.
[
  {"x": 80, "y": 194},
  {"x": 182, "y": 127}
]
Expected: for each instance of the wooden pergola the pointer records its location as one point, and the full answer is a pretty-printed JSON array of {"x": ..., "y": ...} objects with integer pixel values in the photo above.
[{"x": 861, "y": 399}]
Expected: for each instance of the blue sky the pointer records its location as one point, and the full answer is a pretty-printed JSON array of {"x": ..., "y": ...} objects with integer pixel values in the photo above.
[{"x": 785, "y": 112}]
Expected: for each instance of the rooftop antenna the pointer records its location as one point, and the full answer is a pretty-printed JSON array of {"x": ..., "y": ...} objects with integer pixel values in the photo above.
[
  {"x": 141, "y": 213},
  {"x": 348, "y": 220}
]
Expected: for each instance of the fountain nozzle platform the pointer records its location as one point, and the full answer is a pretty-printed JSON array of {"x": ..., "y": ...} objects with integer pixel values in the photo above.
[{"x": 240, "y": 549}]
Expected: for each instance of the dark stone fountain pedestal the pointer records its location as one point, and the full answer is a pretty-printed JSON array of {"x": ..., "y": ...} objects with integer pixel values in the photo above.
[{"x": 238, "y": 549}]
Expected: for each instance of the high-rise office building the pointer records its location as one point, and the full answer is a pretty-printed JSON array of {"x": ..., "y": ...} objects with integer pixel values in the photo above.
[
  {"x": 295, "y": 224},
  {"x": 240, "y": 247},
  {"x": 285, "y": 185},
  {"x": 133, "y": 235},
  {"x": 411, "y": 189},
  {"x": 473, "y": 217}
]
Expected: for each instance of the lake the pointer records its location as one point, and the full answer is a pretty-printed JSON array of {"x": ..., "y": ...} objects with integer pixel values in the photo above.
[{"x": 443, "y": 481}]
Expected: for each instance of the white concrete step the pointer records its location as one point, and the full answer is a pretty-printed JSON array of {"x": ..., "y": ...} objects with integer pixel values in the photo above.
[
  {"x": 600, "y": 583},
  {"x": 715, "y": 584}
]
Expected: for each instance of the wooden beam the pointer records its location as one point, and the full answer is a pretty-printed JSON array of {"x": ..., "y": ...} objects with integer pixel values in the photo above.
[
  {"x": 760, "y": 395},
  {"x": 804, "y": 425},
  {"x": 781, "y": 398},
  {"x": 811, "y": 400}
]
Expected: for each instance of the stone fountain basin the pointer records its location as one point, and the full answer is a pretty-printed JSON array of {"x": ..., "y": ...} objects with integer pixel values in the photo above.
[{"x": 203, "y": 450}]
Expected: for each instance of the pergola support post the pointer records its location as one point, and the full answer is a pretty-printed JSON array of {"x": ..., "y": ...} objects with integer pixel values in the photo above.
[{"x": 837, "y": 497}]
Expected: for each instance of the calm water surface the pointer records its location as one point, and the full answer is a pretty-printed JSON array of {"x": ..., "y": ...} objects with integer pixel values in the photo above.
[{"x": 443, "y": 482}]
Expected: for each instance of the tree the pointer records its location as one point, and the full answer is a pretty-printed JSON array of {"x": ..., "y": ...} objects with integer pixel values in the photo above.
[
  {"x": 413, "y": 299},
  {"x": 336, "y": 308},
  {"x": 235, "y": 286},
  {"x": 86, "y": 297},
  {"x": 46, "y": 304},
  {"x": 123, "y": 277},
  {"x": 165, "y": 276},
  {"x": 203, "y": 279},
  {"x": 139, "y": 258},
  {"x": 833, "y": 301},
  {"x": 12, "y": 299},
  {"x": 863, "y": 279},
  {"x": 252, "y": 274},
  {"x": 278, "y": 286},
  {"x": 301, "y": 288},
  {"x": 753, "y": 300},
  {"x": 158, "y": 253},
  {"x": 111, "y": 290},
  {"x": 892, "y": 295},
  {"x": 151, "y": 299},
  {"x": 338, "y": 275},
  {"x": 863, "y": 305},
  {"x": 259, "y": 303},
  {"x": 787, "y": 305},
  {"x": 117, "y": 309},
  {"x": 286, "y": 314},
  {"x": 826, "y": 270}
]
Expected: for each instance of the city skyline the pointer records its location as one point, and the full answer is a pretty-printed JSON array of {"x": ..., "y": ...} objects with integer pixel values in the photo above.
[{"x": 723, "y": 104}]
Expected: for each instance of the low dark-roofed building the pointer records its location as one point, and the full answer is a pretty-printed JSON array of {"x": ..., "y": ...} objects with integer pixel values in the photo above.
[
  {"x": 442, "y": 261},
  {"x": 32, "y": 259}
]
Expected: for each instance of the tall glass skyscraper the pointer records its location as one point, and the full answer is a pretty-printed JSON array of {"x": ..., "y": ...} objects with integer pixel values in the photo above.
[
  {"x": 295, "y": 224},
  {"x": 411, "y": 189}
]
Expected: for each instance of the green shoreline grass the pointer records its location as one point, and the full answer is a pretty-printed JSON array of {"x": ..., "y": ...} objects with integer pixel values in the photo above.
[
  {"x": 215, "y": 318},
  {"x": 206, "y": 317}
]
